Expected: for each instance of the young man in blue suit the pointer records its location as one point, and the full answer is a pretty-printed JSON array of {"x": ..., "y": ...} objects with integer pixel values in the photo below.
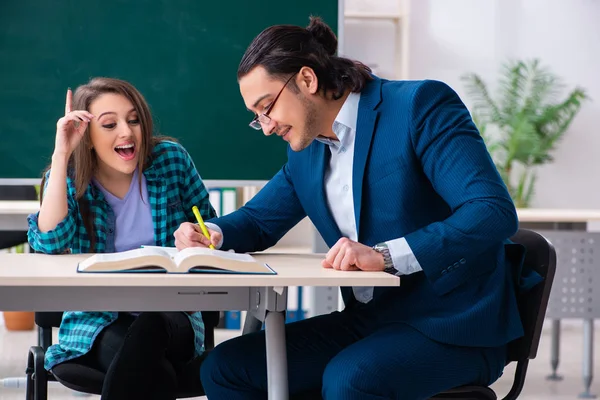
[{"x": 396, "y": 178}]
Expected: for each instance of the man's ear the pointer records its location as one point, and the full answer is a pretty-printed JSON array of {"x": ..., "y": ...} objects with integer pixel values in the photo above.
[{"x": 307, "y": 80}]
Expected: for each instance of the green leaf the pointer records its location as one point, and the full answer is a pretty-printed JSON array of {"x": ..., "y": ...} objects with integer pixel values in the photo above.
[
  {"x": 527, "y": 118},
  {"x": 484, "y": 106},
  {"x": 530, "y": 190}
]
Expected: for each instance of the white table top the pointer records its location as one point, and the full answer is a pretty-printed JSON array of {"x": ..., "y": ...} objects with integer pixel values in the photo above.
[
  {"x": 292, "y": 270},
  {"x": 19, "y": 207},
  {"x": 557, "y": 215}
]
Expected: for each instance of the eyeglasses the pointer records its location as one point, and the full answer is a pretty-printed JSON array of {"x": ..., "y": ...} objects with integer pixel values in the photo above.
[{"x": 264, "y": 119}]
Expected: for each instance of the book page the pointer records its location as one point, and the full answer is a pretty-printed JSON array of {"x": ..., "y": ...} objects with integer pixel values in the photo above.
[
  {"x": 205, "y": 260},
  {"x": 126, "y": 259},
  {"x": 125, "y": 255},
  {"x": 193, "y": 251},
  {"x": 193, "y": 259},
  {"x": 171, "y": 251}
]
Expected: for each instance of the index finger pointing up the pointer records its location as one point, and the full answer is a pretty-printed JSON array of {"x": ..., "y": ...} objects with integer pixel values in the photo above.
[{"x": 69, "y": 101}]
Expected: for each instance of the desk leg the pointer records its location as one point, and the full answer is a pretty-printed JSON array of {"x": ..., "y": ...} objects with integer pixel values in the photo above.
[
  {"x": 554, "y": 351},
  {"x": 588, "y": 358},
  {"x": 277, "y": 373},
  {"x": 268, "y": 304}
]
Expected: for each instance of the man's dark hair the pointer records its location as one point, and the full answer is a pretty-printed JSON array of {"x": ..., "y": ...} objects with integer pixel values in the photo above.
[{"x": 284, "y": 49}]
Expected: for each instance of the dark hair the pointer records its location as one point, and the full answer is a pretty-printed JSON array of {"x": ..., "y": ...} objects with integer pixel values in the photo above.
[
  {"x": 284, "y": 49},
  {"x": 83, "y": 162}
]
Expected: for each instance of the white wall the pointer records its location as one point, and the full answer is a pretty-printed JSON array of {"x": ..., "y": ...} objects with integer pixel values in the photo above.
[{"x": 451, "y": 37}]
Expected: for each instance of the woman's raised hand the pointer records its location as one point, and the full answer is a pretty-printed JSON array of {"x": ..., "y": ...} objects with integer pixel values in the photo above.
[{"x": 70, "y": 128}]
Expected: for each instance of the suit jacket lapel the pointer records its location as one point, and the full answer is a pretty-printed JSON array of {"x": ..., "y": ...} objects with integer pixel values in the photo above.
[{"x": 365, "y": 127}]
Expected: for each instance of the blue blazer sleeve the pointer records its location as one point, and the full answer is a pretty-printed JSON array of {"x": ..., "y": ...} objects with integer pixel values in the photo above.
[
  {"x": 456, "y": 161},
  {"x": 260, "y": 223}
]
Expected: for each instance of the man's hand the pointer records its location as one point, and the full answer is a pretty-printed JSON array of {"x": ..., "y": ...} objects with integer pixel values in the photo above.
[
  {"x": 347, "y": 255},
  {"x": 190, "y": 235}
]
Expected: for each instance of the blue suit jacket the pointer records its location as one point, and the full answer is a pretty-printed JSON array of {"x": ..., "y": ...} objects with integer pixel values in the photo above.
[{"x": 421, "y": 171}]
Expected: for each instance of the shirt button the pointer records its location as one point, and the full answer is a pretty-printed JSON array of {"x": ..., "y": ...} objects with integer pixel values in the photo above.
[{"x": 346, "y": 188}]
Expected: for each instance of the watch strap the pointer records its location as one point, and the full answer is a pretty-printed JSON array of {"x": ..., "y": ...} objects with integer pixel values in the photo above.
[{"x": 384, "y": 250}]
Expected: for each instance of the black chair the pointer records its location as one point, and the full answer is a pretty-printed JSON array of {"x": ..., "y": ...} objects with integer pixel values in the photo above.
[
  {"x": 84, "y": 379},
  {"x": 10, "y": 239},
  {"x": 541, "y": 257}
]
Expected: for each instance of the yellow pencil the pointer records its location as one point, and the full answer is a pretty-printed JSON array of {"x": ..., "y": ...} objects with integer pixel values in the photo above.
[{"x": 201, "y": 223}]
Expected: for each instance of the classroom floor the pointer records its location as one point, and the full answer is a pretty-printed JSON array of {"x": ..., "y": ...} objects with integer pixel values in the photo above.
[{"x": 14, "y": 345}]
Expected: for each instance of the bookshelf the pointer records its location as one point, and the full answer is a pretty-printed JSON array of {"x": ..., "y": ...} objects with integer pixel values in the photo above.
[{"x": 401, "y": 24}]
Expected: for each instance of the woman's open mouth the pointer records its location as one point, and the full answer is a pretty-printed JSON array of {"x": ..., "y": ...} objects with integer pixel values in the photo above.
[{"x": 126, "y": 151}]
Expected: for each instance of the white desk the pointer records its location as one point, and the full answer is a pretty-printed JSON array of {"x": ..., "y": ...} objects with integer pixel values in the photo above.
[
  {"x": 581, "y": 224},
  {"x": 557, "y": 216},
  {"x": 41, "y": 282},
  {"x": 13, "y": 214}
]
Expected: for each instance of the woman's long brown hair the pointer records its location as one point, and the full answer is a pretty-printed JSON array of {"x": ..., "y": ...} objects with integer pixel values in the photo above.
[{"x": 83, "y": 162}]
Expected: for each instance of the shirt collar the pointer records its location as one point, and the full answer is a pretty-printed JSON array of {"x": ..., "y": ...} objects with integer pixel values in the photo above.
[{"x": 345, "y": 120}]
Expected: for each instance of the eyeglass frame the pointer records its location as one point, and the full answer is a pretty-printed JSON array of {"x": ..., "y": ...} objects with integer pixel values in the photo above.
[{"x": 256, "y": 122}]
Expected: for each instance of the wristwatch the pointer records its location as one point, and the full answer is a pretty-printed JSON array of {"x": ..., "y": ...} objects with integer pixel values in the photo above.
[{"x": 387, "y": 258}]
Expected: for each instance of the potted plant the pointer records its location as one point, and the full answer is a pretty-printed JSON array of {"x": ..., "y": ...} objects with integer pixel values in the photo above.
[{"x": 522, "y": 124}]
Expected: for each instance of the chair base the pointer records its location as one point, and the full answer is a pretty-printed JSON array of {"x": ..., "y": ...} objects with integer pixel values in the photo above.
[
  {"x": 82, "y": 378},
  {"x": 467, "y": 393}
]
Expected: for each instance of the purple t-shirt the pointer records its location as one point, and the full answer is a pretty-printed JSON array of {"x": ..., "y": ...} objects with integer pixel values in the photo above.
[{"x": 133, "y": 217}]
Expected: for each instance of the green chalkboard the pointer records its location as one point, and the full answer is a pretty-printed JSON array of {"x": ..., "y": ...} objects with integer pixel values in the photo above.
[{"x": 181, "y": 54}]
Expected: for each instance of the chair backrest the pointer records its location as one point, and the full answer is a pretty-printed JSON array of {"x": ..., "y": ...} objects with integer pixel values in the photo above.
[
  {"x": 10, "y": 239},
  {"x": 541, "y": 257},
  {"x": 211, "y": 319},
  {"x": 48, "y": 319},
  {"x": 18, "y": 192}
]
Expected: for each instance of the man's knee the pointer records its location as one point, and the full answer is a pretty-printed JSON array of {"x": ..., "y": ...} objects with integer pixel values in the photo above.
[
  {"x": 218, "y": 366},
  {"x": 210, "y": 369},
  {"x": 238, "y": 364}
]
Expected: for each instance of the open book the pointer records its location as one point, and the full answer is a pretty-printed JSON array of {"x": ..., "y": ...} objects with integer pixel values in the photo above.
[{"x": 170, "y": 260}]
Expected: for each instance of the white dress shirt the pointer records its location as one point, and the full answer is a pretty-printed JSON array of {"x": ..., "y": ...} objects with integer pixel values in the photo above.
[{"x": 339, "y": 194}]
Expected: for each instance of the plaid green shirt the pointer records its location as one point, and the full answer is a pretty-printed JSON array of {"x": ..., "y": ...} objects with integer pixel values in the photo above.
[{"x": 174, "y": 186}]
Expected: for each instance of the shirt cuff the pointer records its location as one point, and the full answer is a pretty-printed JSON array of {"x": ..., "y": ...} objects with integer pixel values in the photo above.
[
  {"x": 403, "y": 258},
  {"x": 215, "y": 228}
]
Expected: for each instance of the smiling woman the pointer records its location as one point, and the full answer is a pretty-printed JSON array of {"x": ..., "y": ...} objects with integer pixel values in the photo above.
[
  {"x": 118, "y": 115},
  {"x": 113, "y": 186}
]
